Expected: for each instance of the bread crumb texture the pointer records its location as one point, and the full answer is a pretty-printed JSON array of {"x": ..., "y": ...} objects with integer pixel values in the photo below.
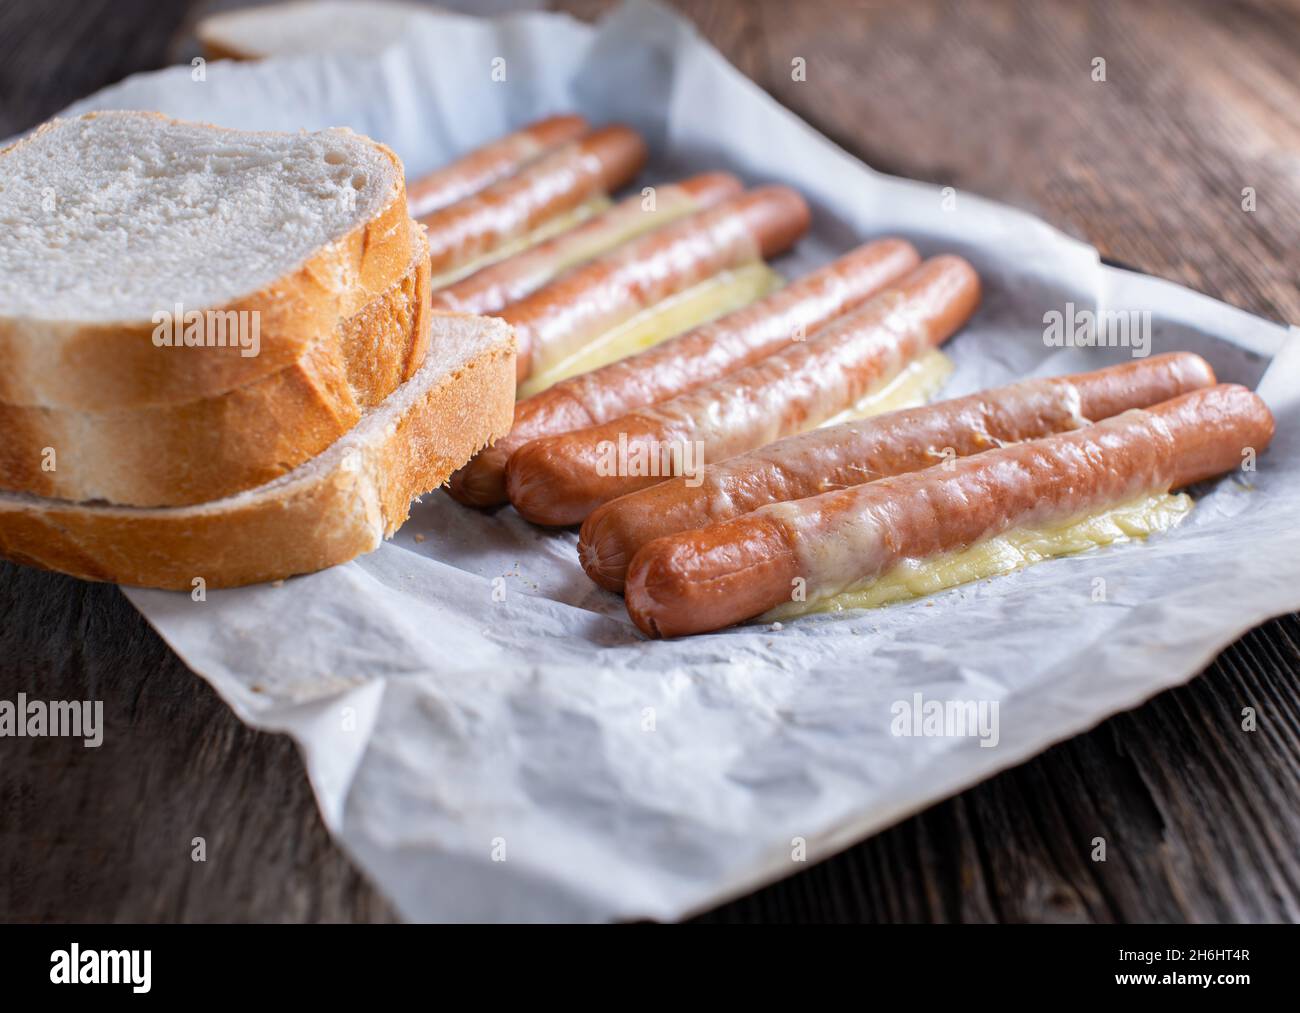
[{"x": 118, "y": 215}]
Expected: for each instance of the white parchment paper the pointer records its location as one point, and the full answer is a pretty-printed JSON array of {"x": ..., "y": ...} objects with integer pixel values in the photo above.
[{"x": 534, "y": 757}]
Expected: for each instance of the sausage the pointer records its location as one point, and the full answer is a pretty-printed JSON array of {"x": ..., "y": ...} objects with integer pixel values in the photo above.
[
  {"x": 559, "y": 480},
  {"x": 867, "y": 449},
  {"x": 712, "y": 577},
  {"x": 484, "y": 166},
  {"x": 492, "y": 288},
  {"x": 688, "y": 360},
  {"x": 559, "y": 319},
  {"x": 550, "y": 186}
]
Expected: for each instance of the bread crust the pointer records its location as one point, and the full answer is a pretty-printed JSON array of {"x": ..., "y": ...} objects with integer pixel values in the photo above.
[
  {"x": 96, "y": 367},
  {"x": 327, "y": 512},
  {"x": 214, "y": 51},
  {"x": 177, "y": 454}
]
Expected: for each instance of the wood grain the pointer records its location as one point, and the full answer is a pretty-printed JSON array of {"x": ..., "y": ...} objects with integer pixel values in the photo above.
[{"x": 1199, "y": 817}]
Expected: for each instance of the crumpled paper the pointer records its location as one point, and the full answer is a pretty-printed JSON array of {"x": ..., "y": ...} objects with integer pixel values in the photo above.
[{"x": 487, "y": 734}]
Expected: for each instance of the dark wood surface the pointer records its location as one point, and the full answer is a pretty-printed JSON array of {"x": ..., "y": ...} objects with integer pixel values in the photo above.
[{"x": 1202, "y": 819}]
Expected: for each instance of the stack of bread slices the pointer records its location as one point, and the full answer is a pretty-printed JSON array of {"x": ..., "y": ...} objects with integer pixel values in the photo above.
[{"x": 219, "y": 359}]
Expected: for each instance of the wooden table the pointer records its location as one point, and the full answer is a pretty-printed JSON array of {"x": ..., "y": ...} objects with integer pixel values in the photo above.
[{"x": 1202, "y": 820}]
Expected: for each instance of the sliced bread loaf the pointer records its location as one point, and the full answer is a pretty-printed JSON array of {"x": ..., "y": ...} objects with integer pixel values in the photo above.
[
  {"x": 290, "y": 29},
  {"x": 119, "y": 225},
  {"x": 334, "y": 507},
  {"x": 187, "y": 452}
]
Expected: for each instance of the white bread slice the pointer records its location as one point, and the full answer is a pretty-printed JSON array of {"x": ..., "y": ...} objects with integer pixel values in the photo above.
[
  {"x": 289, "y": 29},
  {"x": 335, "y": 507},
  {"x": 190, "y": 452},
  {"x": 114, "y": 217}
]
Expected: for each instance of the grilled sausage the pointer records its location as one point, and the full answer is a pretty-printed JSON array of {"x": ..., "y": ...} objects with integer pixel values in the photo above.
[
  {"x": 712, "y": 577},
  {"x": 484, "y": 166},
  {"x": 687, "y": 361},
  {"x": 564, "y": 316},
  {"x": 559, "y": 480},
  {"x": 552, "y": 185},
  {"x": 492, "y": 288},
  {"x": 867, "y": 449}
]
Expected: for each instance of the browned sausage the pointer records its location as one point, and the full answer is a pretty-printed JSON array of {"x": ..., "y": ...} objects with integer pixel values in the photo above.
[
  {"x": 484, "y": 166},
  {"x": 688, "y": 360},
  {"x": 570, "y": 312},
  {"x": 559, "y": 480},
  {"x": 494, "y": 287},
  {"x": 712, "y": 577},
  {"x": 849, "y": 454},
  {"x": 552, "y": 185}
]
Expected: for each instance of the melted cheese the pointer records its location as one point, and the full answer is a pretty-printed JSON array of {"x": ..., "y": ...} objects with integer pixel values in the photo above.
[
  {"x": 912, "y": 387},
  {"x": 1001, "y": 554},
  {"x": 551, "y": 227},
  {"x": 723, "y": 293}
]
